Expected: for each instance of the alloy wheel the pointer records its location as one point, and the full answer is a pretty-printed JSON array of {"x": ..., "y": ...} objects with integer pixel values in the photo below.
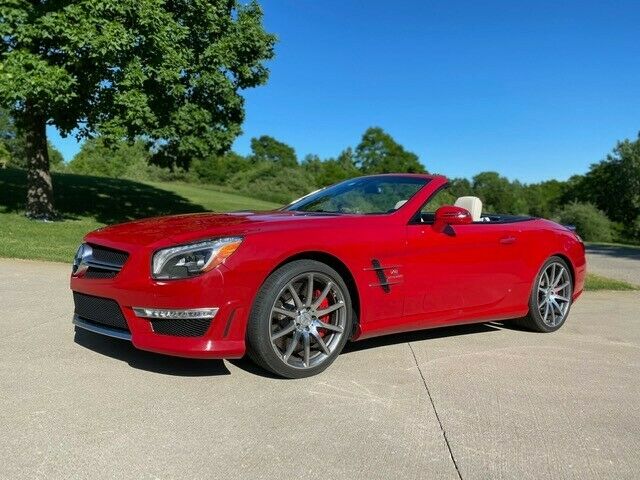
[
  {"x": 307, "y": 320},
  {"x": 554, "y": 294}
]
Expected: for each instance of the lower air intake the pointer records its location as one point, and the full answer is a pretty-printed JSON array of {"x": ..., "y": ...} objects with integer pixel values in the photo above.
[
  {"x": 190, "y": 327},
  {"x": 103, "y": 311}
]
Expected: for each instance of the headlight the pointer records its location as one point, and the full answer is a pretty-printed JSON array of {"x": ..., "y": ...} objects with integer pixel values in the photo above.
[
  {"x": 193, "y": 259},
  {"x": 84, "y": 252}
]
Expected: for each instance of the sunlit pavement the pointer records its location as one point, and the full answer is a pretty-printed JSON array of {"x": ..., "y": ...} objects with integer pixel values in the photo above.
[{"x": 482, "y": 401}]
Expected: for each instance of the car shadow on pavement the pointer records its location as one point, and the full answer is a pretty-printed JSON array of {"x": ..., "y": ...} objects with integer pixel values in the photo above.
[
  {"x": 419, "y": 335},
  {"x": 152, "y": 362},
  {"x": 187, "y": 367},
  {"x": 248, "y": 366}
]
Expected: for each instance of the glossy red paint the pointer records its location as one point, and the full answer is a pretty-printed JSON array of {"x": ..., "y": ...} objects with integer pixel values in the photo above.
[
  {"x": 474, "y": 272},
  {"x": 451, "y": 215}
]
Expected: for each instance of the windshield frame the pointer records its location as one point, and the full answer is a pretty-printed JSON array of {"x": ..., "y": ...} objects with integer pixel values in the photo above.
[{"x": 332, "y": 190}]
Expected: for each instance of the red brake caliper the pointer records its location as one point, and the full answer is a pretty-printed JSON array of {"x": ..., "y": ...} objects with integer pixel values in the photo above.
[{"x": 323, "y": 304}]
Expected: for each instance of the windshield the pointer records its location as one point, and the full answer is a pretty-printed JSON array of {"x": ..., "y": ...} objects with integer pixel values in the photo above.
[{"x": 364, "y": 195}]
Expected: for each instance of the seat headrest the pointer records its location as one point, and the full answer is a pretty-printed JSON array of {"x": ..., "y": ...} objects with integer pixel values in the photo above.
[
  {"x": 472, "y": 204},
  {"x": 399, "y": 204}
]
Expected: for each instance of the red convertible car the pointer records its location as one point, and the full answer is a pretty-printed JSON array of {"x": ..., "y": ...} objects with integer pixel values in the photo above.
[{"x": 368, "y": 256}]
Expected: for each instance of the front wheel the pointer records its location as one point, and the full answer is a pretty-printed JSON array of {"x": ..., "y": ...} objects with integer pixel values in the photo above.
[
  {"x": 301, "y": 319},
  {"x": 551, "y": 297}
]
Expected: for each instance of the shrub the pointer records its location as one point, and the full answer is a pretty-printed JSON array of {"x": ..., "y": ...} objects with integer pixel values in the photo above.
[
  {"x": 120, "y": 160},
  {"x": 269, "y": 181},
  {"x": 218, "y": 170},
  {"x": 591, "y": 224}
]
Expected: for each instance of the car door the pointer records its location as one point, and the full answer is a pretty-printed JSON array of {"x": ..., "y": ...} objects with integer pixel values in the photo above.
[
  {"x": 490, "y": 273},
  {"x": 456, "y": 275}
]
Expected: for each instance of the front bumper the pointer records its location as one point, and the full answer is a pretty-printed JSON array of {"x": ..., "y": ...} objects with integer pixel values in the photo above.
[
  {"x": 222, "y": 337},
  {"x": 216, "y": 342},
  {"x": 80, "y": 322}
]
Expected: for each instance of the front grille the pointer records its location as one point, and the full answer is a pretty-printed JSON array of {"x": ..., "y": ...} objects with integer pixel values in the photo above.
[
  {"x": 102, "y": 311},
  {"x": 109, "y": 255},
  {"x": 105, "y": 262},
  {"x": 191, "y": 327}
]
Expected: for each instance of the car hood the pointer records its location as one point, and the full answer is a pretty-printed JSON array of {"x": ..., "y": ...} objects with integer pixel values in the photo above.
[{"x": 191, "y": 227}]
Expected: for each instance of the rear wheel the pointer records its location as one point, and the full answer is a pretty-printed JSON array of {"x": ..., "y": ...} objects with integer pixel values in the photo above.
[
  {"x": 550, "y": 299},
  {"x": 301, "y": 319}
]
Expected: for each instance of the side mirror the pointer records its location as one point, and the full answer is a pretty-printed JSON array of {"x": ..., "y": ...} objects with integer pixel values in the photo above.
[{"x": 451, "y": 215}]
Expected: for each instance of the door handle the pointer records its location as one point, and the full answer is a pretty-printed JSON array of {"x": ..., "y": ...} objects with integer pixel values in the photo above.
[{"x": 507, "y": 240}]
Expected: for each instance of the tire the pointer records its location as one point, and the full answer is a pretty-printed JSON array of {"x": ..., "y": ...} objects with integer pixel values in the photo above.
[
  {"x": 549, "y": 315},
  {"x": 300, "y": 336}
]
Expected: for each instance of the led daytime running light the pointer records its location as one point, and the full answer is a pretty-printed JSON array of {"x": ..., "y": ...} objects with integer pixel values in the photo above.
[{"x": 171, "y": 314}]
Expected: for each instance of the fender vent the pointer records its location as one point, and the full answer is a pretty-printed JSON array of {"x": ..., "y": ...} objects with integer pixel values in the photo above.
[{"x": 382, "y": 277}]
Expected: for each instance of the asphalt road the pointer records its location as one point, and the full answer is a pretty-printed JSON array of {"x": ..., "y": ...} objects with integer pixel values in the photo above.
[
  {"x": 471, "y": 402},
  {"x": 615, "y": 261}
]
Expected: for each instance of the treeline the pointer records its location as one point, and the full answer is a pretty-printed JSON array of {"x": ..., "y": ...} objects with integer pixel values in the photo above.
[
  {"x": 604, "y": 203},
  {"x": 272, "y": 171}
]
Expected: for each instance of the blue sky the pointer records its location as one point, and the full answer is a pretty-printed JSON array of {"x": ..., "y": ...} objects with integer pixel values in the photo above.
[{"x": 533, "y": 90}]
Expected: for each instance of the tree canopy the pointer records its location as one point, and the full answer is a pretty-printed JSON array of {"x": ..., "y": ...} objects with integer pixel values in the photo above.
[
  {"x": 268, "y": 149},
  {"x": 332, "y": 170},
  {"x": 498, "y": 193},
  {"x": 378, "y": 152},
  {"x": 612, "y": 184},
  {"x": 170, "y": 72}
]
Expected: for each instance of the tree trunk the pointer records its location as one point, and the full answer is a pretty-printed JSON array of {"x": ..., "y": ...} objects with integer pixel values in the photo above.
[{"x": 40, "y": 188}]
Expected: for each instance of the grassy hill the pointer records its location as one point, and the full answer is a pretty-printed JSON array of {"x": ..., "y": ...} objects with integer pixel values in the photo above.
[{"x": 87, "y": 203}]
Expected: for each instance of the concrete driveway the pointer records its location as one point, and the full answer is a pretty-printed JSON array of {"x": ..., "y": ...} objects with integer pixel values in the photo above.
[
  {"x": 472, "y": 402},
  {"x": 615, "y": 261}
]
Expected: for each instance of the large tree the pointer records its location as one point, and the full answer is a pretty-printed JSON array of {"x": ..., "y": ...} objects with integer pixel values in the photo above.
[{"x": 170, "y": 71}]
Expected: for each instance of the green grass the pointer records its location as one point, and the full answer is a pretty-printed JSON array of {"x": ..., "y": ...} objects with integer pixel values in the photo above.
[
  {"x": 214, "y": 199},
  {"x": 86, "y": 203},
  {"x": 596, "y": 282}
]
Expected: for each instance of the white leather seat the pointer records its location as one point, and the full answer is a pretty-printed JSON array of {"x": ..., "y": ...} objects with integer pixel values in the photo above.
[
  {"x": 473, "y": 205},
  {"x": 399, "y": 204}
]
